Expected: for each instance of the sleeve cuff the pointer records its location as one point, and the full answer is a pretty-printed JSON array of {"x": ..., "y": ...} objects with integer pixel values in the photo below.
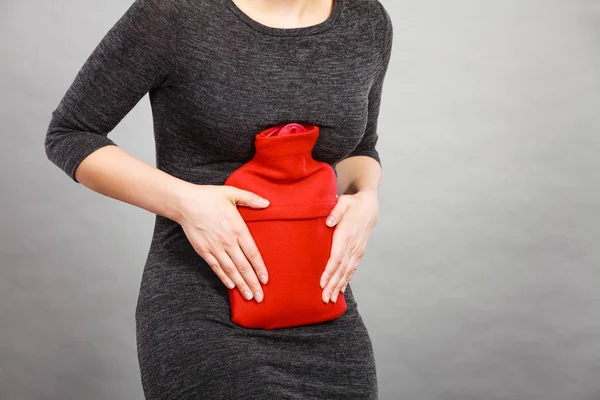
[{"x": 69, "y": 149}]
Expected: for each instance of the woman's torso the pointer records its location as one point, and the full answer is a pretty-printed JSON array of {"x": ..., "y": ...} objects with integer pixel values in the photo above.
[
  {"x": 232, "y": 81},
  {"x": 235, "y": 77}
]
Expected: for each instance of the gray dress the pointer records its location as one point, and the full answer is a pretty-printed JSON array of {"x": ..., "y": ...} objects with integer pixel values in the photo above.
[{"x": 216, "y": 78}]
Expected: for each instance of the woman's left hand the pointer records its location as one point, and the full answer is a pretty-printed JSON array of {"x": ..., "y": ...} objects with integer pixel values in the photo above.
[{"x": 355, "y": 216}]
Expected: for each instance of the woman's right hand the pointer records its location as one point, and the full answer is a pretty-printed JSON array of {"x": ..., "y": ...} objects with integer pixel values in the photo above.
[{"x": 209, "y": 217}]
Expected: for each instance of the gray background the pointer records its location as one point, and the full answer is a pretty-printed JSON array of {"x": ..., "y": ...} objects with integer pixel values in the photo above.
[{"x": 481, "y": 280}]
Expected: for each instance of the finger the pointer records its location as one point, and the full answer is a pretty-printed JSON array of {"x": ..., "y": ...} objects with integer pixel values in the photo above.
[
  {"x": 349, "y": 279},
  {"x": 330, "y": 291},
  {"x": 232, "y": 272},
  {"x": 246, "y": 198},
  {"x": 216, "y": 267},
  {"x": 351, "y": 267},
  {"x": 202, "y": 247},
  {"x": 335, "y": 258},
  {"x": 245, "y": 269},
  {"x": 248, "y": 246},
  {"x": 335, "y": 215},
  {"x": 359, "y": 256}
]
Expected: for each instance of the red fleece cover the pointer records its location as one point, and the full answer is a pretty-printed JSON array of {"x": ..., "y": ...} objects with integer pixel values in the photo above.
[{"x": 290, "y": 233}]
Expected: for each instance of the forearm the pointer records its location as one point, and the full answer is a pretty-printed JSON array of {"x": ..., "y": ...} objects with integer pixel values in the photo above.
[
  {"x": 115, "y": 173},
  {"x": 358, "y": 174}
]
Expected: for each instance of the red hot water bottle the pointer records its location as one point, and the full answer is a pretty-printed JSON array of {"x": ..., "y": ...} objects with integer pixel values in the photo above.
[{"x": 290, "y": 233}]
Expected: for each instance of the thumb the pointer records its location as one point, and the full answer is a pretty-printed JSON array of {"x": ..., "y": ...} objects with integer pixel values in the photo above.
[
  {"x": 246, "y": 198},
  {"x": 338, "y": 211}
]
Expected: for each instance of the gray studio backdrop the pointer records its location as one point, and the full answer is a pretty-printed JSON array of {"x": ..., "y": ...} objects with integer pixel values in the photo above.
[{"x": 482, "y": 278}]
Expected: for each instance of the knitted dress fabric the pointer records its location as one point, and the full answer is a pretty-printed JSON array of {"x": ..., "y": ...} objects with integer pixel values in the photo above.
[{"x": 215, "y": 78}]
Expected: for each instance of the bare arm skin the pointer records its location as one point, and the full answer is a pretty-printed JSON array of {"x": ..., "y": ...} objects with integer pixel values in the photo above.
[
  {"x": 115, "y": 173},
  {"x": 207, "y": 213},
  {"x": 359, "y": 173}
]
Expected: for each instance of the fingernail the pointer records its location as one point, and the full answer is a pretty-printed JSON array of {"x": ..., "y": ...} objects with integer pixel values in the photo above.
[
  {"x": 326, "y": 298},
  {"x": 258, "y": 296},
  {"x": 323, "y": 283},
  {"x": 248, "y": 295},
  {"x": 264, "y": 202},
  {"x": 334, "y": 298},
  {"x": 330, "y": 220},
  {"x": 230, "y": 284},
  {"x": 344, "y": 289},
  {"x": 263, "y": 278}
]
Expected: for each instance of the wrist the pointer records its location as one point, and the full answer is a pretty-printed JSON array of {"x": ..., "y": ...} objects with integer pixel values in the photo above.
[
  {"x": 370, "y": 196},
  {"x": 177, "y": 195}
]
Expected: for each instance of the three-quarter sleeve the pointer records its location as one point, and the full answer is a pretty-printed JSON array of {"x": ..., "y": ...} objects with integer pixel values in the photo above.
[
  {"x": 135, "y": 56},
  {"x": 383, "y": 36}
]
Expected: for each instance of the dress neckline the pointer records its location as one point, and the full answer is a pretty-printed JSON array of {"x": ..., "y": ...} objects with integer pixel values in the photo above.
[{"x": 300, "y": 31}]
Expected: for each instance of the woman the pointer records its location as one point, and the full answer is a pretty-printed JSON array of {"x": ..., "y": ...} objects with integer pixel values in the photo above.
[{"x": 217, "y": 73}]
